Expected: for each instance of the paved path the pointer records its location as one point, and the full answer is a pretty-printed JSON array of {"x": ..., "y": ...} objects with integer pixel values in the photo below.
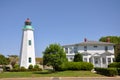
[{"x": 64, "y": 78}]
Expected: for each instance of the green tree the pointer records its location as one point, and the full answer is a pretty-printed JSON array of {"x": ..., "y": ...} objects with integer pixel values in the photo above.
[
  {"x": 78, "y": 57},
  {"x": 54, "y": 56},
  {"x": 3, "y": 60},
  {"x": 113, "y": 39},
  {"x": 117, "y": 59}
]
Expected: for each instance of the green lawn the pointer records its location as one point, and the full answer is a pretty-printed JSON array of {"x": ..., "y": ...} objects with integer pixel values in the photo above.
[{"x": 49, "y": 74}]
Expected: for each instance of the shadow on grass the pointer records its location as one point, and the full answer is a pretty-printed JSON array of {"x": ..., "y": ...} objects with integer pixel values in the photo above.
[{"x": 45, "y": 72}]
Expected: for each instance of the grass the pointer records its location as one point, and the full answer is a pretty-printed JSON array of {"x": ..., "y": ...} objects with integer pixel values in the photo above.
[{"x": 47, "y": 73}]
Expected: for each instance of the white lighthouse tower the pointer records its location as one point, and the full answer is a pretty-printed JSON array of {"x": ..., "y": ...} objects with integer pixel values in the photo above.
[{"x": 27, "y": 52}]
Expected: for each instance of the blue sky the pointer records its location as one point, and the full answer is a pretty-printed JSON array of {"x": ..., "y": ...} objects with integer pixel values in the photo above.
[{"x": 57, "y": 21}]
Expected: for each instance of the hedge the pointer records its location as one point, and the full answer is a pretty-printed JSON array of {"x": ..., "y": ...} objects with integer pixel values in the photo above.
[
  {"x": 107, "y": 71},
  {"x": 23, "y": 69},
  {"x": 76, "y": 66},
  {"x": 118, "y": 70},
  {"x": 114, "y": 65}
]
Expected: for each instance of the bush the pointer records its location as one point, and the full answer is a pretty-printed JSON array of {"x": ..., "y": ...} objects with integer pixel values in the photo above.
[
  {"x": 62, "y": 67},
  {"x": 114, "y": 65},
  {"x": 23, "y": 69},
  {"x": 76, "y": 66},
  {"x": 78, "y": 57},
  {"x": 30, "y": 67},
  {"x": 112, "y": 72},
  {"x": 36, "y": 68},
  {"x": 16, "y": 68},
  {"x": 118, "y": 70},
  {"x": 107, "y": 71}
]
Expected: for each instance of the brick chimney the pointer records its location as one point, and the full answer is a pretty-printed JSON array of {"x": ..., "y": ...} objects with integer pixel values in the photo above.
[
  {"x": 85, "y": 39},
  {"x": 108, "y": 40}
]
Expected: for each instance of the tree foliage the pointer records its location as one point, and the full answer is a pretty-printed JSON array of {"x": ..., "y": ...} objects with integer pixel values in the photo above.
[
  {"x": 78, "y": 57},
  {"x": 113, "y": 39},
  {"x": 54, "y": 56},
  {"x": 117, "y": 59},
  {"x": 3, "y": 60}
]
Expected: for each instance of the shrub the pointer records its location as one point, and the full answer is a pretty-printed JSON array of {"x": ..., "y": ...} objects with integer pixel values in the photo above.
[
  {"x": 78, "y": 57},
  {"x": 118, "y": 70},
  {"x": 107, "y": 71},
  {"x": 114, "y": 65},
  {"x": 62, "y": 67},
  {"x": 112, "y": 72},
  {"x": 30, "y": 67},
  {"x": 76, "y": 66},
  {"x": 16, "y": 68},
  {"x": 4, "y": 68},
  {"x": 23, "y": 69},
  {"x": 36, "y": 68}
]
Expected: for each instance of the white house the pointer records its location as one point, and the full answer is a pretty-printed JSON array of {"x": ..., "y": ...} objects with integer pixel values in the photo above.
[{"x": 100, "y": 54}]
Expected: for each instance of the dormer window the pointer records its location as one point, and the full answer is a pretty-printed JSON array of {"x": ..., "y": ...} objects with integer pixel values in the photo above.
[
  {"x": 106, "y": 48},
  {"x": 85, "y": 48},
  {"x": 70, "y": 50},
  {"x": 95, "y": 46},
  {"x": 66, "y": 50},
  {"x": 75, "y": 50}
]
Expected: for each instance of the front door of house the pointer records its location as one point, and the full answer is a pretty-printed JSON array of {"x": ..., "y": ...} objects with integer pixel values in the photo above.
[{"x": 97, "y": 61}]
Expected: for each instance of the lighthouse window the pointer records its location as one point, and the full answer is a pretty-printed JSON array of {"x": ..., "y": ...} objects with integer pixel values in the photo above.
[
  {"x": 30, "y": 59},
  {"x": 29, "y": 42}
]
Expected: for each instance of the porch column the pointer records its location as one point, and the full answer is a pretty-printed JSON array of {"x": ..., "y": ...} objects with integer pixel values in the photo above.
[
  {"x": 68, "y": 51},
  {"x": 87, "y": 59},
  {"x": 106, "y": 61},
  {"x": 101, "y": 64},
  {"x": 93, "y": 61},
  {"x": 111, "y": 60}
]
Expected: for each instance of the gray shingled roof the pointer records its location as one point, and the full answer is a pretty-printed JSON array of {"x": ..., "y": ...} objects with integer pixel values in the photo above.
[
  {"x": 107, "y": 53},
  {"x": 88, "y": 43}
]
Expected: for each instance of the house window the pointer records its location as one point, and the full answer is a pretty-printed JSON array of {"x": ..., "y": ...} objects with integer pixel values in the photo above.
[
  {"x": 70, "y": 49},
  {"x": 66, "y": 50},
  {"x": 106, "y": 48},
  {"x": 95, "y": 46},
  {"x": 96, "y": 60},
  {"x": 85, "y": 59},
  {"x": 29, "y": 42},
  {"x": 75, "y": 50},
  {"x": 30, "y": 60},
  {"x": 90, "y": 60},
  {"x": 109, "y": 60},
  {"x": 103, "y": 60},
  {"x": 85, "y": 48},
  {"x": 71, "y": 59}
]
